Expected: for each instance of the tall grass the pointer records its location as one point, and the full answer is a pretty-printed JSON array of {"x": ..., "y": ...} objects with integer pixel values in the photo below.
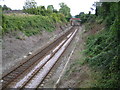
[{"x": 30, "y": 25}]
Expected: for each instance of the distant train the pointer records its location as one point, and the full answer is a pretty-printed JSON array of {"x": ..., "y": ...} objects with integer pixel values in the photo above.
[{"x": 75, "y": 21}]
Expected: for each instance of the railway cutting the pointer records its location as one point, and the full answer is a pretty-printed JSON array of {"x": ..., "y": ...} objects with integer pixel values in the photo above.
[{"x": 33, "y": 72}]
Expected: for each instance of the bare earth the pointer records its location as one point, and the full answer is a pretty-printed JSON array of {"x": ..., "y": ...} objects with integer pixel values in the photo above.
[
  {"x": 72, "y": 77},
  {"x": 77, "y": 74},
  {"x": 14, "y": 50}
]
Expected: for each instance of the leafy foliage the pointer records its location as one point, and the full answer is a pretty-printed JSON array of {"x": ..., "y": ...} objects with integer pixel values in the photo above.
[
  {"x": 30, "y": 25},
  {"x": 103, "y": 49},
  {"x": 64, "y": 9},
  {"x": 85, "y": 17},
  {"x": 29, "y": 7},
  {"x": 5, "y": 7},
  {"x": 40, "y": 19},
  {"x": 50, "y": 8}
]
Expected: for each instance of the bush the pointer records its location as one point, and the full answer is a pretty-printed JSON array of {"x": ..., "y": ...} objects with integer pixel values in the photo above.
[
  {"x": 102, "y": 55},
  {"x": 103, "y": 49},
  {"x": 30, "y": 25}
]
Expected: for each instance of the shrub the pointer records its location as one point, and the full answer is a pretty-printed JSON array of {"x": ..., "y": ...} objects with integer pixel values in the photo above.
[
  {"x": 30, "y": 25},
  {"x": 102, "y": 55}
]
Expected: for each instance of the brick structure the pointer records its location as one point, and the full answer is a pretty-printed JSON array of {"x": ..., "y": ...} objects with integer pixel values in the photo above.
[{"x": 75, "y": 21}]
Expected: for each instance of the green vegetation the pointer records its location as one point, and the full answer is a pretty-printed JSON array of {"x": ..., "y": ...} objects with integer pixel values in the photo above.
[
  {"x": 64, "y": 9},
  {"x": 31, "y": 25},
  {"x": 0, "y": 22},
  {"x": 37, "y": 18},
  {"x": 4, "y": 7},
  {"x": 50, "y": 8},
  {"x": 32, "y": 8},
  {"x": 83, "y": 17},
  {"x": 103, "y": 49}
]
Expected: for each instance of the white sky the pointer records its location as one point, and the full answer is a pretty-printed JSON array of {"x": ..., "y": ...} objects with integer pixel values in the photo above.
[{"x": 76, "y": 6}]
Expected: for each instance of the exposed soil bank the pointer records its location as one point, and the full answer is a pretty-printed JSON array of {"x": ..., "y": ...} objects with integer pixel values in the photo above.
[{"x": 15, "y": 49}]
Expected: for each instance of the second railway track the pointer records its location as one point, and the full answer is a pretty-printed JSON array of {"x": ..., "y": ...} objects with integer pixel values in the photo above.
[{"x": 32, "y": 73}]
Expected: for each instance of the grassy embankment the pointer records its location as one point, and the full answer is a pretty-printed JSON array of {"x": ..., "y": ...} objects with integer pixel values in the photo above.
[{"x": 30, "y": 24}]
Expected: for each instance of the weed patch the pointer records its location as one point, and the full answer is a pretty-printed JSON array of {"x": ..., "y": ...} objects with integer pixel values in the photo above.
[
  {"x": 30, "y": 25},
  {"x": 102, "y": 55}
]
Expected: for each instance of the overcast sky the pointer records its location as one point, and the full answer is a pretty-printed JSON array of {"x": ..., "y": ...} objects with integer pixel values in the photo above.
[{"x": 76, "y": 6}]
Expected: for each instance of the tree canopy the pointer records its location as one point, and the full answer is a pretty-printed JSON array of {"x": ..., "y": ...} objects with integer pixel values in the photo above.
[
  {"x": 64, "y": 9},
  {"x": 50, "y": 8},
  {"x": 30, "y": 4},
  {"x": 5, "y": 7}
]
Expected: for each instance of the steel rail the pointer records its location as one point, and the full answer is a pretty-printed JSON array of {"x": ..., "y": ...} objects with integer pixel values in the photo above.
[
  {"x": 22, "y": 82},
  {"x": 40, "y": 75},
  {"x": 24, "y": 66}
]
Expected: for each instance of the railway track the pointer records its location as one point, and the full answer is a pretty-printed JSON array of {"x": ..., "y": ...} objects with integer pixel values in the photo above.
[{"x": 32, "y": 73}]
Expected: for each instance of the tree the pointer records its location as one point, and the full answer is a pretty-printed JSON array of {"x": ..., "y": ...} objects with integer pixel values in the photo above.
[
  {"x": 81, "y": 13},
  {"x": 83, "y": 17},
  {"x": 30, "y": 6},
  {"x": 0, "y": 6},
  {"x": 5, "y": 8},
  {"x": 41, "y": 10},
  {"x": 50, "y": 8},
  {"x": 64, "y": 9},
  {"x": 55, "y": 11},
  {"x": 89, "y": 13}
]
